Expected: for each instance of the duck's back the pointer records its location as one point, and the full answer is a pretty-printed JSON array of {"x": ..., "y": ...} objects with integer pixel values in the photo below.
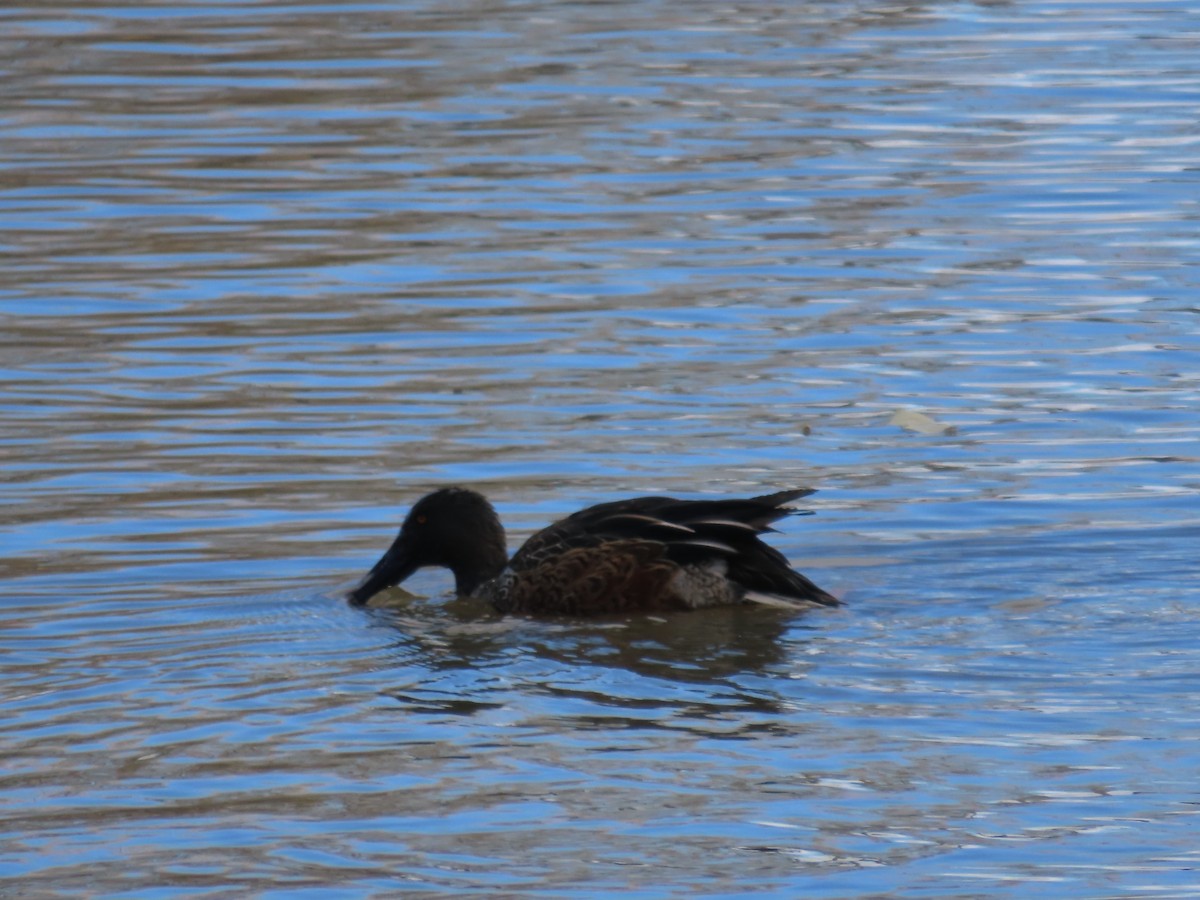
[{"x": 655, "y": 553}]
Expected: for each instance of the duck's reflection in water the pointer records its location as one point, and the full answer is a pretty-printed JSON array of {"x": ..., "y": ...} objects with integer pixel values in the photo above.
[{"x": 704, "y": 662}]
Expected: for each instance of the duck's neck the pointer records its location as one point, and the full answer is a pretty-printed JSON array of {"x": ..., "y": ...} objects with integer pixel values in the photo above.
[
  {"x": 479, "y": 562},
  {"x": 467, "y": 582}
]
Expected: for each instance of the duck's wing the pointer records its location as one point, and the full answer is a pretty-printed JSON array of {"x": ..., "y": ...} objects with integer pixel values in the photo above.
[
  {"x": 732, "y": 529},
  {"x": 661, "y": 519},
  {"x": 694, "y": 534}
]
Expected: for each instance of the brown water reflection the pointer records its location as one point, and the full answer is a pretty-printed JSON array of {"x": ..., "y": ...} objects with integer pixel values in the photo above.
[{"x": 272, "y": 271}]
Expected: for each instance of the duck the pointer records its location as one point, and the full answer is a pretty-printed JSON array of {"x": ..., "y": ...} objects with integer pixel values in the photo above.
[{"x": 641, "y": 555}]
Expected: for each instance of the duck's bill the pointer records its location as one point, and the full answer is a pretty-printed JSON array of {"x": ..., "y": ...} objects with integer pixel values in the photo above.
[{"x": 392, "y": 568}]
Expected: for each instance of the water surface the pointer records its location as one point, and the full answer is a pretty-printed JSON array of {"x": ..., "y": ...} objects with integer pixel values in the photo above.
[{"x": 274, "y": 270}]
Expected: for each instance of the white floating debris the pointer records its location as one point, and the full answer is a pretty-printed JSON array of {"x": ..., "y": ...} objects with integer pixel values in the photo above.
[{"x": 912, "y": 420}]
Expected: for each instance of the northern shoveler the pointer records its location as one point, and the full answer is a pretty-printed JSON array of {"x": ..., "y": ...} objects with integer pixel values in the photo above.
[{"x": 648, "y": 553}]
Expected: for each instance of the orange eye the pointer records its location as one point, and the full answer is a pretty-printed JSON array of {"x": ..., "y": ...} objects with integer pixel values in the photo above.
[{"x": 421, "y": 520}]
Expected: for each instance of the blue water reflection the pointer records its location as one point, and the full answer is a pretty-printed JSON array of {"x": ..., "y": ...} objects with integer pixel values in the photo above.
[{"x": 272, "y": 271}]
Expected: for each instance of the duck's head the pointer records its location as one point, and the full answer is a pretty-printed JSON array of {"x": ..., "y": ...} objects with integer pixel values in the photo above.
[{"x": 455, "y": 528}]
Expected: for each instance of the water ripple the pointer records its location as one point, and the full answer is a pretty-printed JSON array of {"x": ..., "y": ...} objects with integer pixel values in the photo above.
[{"x": 273, "y": 270}]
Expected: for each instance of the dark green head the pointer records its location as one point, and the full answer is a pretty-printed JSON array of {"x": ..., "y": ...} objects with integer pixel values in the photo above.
[{"x": 455, "y": 528}]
